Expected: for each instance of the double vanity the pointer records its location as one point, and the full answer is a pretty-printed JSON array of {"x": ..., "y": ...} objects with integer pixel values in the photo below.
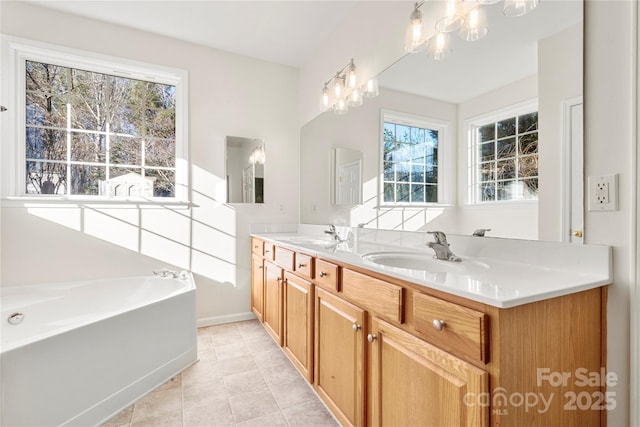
[{"x": 511, "y": 333}]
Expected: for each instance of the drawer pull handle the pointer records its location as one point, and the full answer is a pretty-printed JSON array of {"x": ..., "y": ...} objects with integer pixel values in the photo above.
[
  {"x": 260, "y": 267},
  {"x": 322, "y": 274},
  {"x": 356, "y": 327},
  {"x": 371, "y": 338},
  {"x": 256, "y": 247},
  {"x": 267, "y": 251},
  {"x": 439, "y": 325},
  {"x": 300, "y": 265}
]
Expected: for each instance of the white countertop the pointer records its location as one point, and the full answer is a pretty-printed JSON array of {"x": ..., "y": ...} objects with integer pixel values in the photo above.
[{"x": 500, "y": 272}]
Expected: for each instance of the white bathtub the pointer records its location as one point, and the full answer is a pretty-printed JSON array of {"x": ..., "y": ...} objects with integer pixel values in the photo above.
[{"x": 86, "y": 350}]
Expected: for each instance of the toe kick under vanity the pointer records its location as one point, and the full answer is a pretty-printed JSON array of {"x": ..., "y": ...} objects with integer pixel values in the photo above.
[{"x": 512, "y": 335}]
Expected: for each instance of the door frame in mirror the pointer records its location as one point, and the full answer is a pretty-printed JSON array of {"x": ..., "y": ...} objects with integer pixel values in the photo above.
[{"x": 343, "y": 159}]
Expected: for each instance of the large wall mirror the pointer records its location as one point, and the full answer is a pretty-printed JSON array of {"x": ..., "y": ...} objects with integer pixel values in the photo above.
[
  {"x": 538, "y": 56},
  {"x": 245, "y": 169}
]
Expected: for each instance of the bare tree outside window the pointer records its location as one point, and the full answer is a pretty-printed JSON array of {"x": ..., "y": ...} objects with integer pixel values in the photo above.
[
  {"x": 410, "y": 164},
  {"x": 96, "y": 134},
  {"x": 507, "y": 158}
]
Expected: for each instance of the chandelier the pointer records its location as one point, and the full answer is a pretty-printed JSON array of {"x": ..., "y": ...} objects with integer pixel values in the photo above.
[
  {"x": 468, "y": 18},
  {"x": 343, "y": 91}
]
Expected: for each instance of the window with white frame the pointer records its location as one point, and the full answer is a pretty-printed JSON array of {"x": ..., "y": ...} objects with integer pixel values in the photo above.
[
  {"x": 411, "y": 160},
  {"x": 504, "y": 155},
  {"x": 95, "y": 127}
]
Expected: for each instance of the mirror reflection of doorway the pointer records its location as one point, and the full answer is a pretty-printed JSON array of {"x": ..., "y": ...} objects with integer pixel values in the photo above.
[
  {"x": 573, "y": 229},
  {"x": 349, "y": 187}
]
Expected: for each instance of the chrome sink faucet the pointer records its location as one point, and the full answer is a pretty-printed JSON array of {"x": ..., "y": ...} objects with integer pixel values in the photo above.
[
  {"x": 441, "y": 247},
  {"x": 332, "y": 232},
  {"x": 480, "y": 232}
]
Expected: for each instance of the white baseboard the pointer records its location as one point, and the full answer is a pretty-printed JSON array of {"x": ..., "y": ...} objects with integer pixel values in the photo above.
[{"x": 229, "y": 318}]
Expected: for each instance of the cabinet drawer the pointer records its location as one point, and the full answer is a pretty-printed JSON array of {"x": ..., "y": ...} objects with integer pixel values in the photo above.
[
  {"x": 304, "y": 265},
  {"x": 285, "y": 258},
  {"x": 269, "y": 251},
  {"x": 326, "y": 275},
  {"x": 452, "y": 327},
  {"x": 384, "y": 299},
  {"x": 257, "y": 246}
]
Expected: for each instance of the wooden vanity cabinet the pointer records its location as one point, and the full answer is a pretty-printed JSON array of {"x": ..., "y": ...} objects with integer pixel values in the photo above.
[
  {"x": 257, "y": 285},
  {"x": 386, "y": 352},
  {"x": 413, "y": 383},
  {"x": 298, "y": 323},
  {"x": 339, "y": 357},
  {"x": 273, "y": 291}
]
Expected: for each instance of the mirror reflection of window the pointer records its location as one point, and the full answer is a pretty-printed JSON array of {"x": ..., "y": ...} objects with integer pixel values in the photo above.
[{"x": 245, "y": 170}]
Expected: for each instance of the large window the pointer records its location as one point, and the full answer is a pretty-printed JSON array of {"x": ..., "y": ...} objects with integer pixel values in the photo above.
[
  {"x": 98, "y": 127},
  {"x": 505, "y": 149},
  {"x": 95, "y": 134},
  {"x": 410, "y": 161}
]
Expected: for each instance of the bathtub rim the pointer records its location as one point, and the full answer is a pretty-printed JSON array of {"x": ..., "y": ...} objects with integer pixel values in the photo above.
[{"x": 22, "y": 342}]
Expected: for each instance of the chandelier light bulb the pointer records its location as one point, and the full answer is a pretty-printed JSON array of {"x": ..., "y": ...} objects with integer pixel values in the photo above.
[
  {"x": 325, "y": 103},
  {"x": 371, "y": 88},
  {"x": 439, "y": 46},
  {"x": 415, "y": 35},
  {"x": 343, "y": 91},
  {"x": 341, "y": 106},
  {"x": 519, "y": 7},
  {"x": 475, "y": 25},
  {"x": 338, "y": 86},
  {"x": 352, "y": 78},
  {"x": 453, "y": 18},
  {"x": 355, "y": 98}
]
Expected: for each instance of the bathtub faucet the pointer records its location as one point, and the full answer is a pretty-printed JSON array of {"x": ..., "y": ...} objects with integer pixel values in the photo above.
[{"x": 182, "y": 275}]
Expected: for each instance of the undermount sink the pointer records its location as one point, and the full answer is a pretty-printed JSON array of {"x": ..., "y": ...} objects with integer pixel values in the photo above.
[{"x": 423, "y": 262}]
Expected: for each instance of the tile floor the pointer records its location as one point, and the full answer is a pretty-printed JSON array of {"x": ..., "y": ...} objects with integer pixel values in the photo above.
[{"x": 242, "y": 379}]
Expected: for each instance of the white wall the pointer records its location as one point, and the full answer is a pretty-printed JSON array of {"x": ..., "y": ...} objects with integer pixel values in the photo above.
[
  {"x": 228, "y": 95},
  {"x": 609, "y": 106},
  {"x": 559, "y": 79},
  {"x": 360, "y": 130}
]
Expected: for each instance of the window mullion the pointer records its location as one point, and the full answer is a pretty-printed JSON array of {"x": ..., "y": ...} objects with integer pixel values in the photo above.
[{"x": 68, "y": 157}]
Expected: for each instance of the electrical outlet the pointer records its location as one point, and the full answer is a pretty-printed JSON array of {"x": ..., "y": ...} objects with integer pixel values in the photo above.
[{"x": 603, "y": 192}]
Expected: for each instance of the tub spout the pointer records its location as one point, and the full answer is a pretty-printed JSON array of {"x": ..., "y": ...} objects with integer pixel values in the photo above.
[{"x": 182, "y": 275}]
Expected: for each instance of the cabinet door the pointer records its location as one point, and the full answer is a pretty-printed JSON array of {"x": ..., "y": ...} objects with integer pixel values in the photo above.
[
  {"x": 413, "y": 383},
  {"x": 272, "y": 315},
  {"x": 298, "y": 323},
  {"x": 257, "y": 286},
  {"x": 339, "y": 357}
]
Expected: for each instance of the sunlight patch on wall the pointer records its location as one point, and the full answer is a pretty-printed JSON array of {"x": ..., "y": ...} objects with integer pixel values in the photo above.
[
  {"x": 213, "y": 268},
  {"x": 214, "y": 242},
  {"x": 68, "y": 216},
  {"x": 164, "y": 249},
  {"x": 171, "y": 224},
  {"x": 117, "y": 226}
]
